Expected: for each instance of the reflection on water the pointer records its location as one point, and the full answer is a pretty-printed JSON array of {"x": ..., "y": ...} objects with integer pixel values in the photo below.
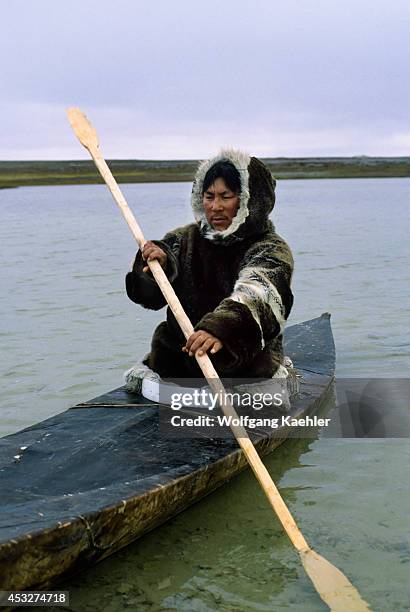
[
  {"x": 68, "y": 331},
  {"x": 230, "y": 553},
  {"x": 227, "y": 551}
]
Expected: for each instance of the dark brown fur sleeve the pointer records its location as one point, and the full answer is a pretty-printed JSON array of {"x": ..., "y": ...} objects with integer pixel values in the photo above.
[
  {"x": 141, "y": 286},
  {"x": 233, "y": 324}
]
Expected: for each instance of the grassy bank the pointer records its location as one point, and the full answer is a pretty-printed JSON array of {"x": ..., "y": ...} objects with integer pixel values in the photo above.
[{"x": 20, "y": 173}]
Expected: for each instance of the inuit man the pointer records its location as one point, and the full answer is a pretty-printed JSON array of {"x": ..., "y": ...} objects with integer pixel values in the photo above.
[{"x": 231, "y": 271}]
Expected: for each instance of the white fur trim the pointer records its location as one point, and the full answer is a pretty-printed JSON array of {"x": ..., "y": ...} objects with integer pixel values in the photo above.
[
  {"x": 241, "y": 161},
  {"x": 248, "y": 290},
  {"x": 281, "y": 372},
  {"x": 135, "y": 376},
  {"x": 238, "y": 297}
]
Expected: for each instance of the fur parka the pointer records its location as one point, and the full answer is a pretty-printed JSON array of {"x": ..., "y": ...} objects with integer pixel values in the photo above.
[{"x": 234, "y": 284}]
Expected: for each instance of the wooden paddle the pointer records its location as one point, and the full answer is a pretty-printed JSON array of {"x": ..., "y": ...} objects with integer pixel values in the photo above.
[{"x": 333, "y": 587}]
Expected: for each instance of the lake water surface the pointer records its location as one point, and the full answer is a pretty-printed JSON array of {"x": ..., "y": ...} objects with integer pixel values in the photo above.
[{"x": 68, "y": 331}]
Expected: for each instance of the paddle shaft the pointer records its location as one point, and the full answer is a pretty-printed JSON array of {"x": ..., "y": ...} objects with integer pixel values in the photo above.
[{"x": 331, "y": 584}]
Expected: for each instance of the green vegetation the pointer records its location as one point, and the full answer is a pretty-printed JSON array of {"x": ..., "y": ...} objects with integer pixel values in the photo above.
[{"x": 20, "y": 173}]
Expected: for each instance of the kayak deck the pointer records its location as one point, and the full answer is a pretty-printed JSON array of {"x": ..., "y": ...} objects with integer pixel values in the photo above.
[{"x": 84, "y": 483}]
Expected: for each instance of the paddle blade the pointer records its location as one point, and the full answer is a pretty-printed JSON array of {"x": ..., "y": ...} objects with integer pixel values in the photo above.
[
  {"x": 333, "y": 586},
  {"x": 83, "y": 129}
]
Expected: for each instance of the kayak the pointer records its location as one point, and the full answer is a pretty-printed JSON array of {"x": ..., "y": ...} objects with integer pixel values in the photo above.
[{"x": 83, "y": 484}]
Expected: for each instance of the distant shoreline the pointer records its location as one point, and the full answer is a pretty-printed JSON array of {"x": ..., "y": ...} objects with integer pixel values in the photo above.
[{"x": 77, "y": 172}]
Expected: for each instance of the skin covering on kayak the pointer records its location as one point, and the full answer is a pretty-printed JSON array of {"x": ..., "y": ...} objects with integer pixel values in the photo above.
[{"x": 81, "y": 485}]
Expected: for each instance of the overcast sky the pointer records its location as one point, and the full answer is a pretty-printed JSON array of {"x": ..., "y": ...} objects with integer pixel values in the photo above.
[{"x": 163, "y": 79}]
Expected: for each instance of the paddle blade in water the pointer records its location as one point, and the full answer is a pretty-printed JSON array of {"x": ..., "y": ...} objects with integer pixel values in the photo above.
[
  {"x": 333, "y": 586},
  {"x": 83, "y": 129}
]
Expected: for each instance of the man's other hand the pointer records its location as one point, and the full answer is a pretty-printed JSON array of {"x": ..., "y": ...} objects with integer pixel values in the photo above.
[{"x": 200, "y": 342}]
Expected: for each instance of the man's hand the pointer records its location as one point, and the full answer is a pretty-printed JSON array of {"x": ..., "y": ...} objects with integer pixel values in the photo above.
[
  {"x": 200, "y": 342},
  {"x": 151, "y": 251}
]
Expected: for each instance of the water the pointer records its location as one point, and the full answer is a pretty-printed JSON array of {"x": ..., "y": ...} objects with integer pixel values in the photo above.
[{"x": 68, "y": 331}]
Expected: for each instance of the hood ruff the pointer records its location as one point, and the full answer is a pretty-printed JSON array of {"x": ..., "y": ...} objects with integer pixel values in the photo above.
[{"x": 241, "y": 161}]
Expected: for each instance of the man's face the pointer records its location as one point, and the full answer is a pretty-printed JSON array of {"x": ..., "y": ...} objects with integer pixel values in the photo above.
[{"x": 220, "y": 205}]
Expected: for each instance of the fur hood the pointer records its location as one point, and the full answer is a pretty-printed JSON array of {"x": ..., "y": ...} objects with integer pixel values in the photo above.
[{"x": 257, "y": 198}]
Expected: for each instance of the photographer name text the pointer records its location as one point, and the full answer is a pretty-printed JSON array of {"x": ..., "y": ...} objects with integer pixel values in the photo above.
[{"x": 247, "y": 421}]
